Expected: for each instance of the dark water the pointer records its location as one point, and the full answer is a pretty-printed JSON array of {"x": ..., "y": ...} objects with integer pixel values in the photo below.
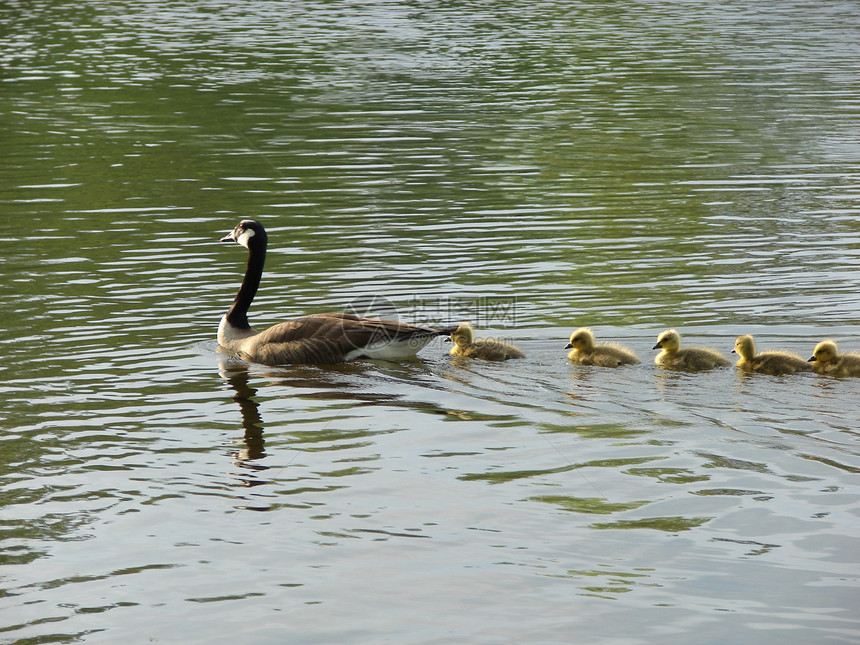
[{"x": 530, "y": 167}]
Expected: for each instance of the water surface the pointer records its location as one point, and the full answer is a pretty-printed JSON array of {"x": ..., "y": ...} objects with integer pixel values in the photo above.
[{"x": 530, "y": 168}]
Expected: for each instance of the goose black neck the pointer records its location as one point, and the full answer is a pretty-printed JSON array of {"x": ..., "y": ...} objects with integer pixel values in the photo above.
[{"x": 237, "y": 316}]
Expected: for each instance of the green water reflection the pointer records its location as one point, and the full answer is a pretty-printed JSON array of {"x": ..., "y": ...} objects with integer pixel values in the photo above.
[{"x": 532, "y": 166}]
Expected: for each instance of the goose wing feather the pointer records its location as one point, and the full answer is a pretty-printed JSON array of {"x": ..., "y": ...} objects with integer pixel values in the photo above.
[{"x": 327, "y": 338}]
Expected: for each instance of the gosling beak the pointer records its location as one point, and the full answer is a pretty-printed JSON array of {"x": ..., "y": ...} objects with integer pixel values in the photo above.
[
  {"x": 811, "y": 359},
  {"x": 447, "y": 339},
  {"x": 568, "y": 346},
  {"x": 657, "y": 346},
  {"x": 734, "y": 352},
  {"x": 228, "y": 238}
]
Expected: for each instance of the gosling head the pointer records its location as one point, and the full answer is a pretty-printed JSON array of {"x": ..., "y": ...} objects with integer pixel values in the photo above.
[
  {"x": 245, "y": 231},
  {"x": 581, "y": 340},
  {"x": 744, "y": 347},
  {"x": 669, "y": 340},
  {"x": 824, "y": 352},
  {"x": 463, "y": 335}
]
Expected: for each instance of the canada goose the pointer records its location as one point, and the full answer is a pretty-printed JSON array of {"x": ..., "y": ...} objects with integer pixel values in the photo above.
[
  {"x": 689, "y": 358},
  {"x": 768, "y": 362},
  {"x": 826, "y": 359},
  {"x": 320, "y": 338},
  {"x": 585, "y": 352},
  {"x": 490, "y": 349}
]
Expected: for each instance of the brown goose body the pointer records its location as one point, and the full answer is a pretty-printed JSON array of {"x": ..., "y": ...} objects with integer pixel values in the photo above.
[
  {"x": 320, "y": 338},
  {"x": 774, "y": 362},
  {"x": 584, "y": 351}
]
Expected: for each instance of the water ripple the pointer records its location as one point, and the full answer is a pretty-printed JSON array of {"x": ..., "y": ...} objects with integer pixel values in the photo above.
[{"x": 530, "y": 167}]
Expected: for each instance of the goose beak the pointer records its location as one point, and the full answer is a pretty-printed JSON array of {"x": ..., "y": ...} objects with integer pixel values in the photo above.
[
  {"x": 811, "y": 359},
  {"x": 734, "y": 352},
  {"x": 657, "y": 346},
  {"x": 447, "y": 339},
  {"x": 228, "y": 238},
  {"x": 568, "y": 346}
]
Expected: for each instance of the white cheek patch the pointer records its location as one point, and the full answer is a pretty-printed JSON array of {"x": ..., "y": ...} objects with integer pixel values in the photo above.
[{"x": 245, "y": 237}]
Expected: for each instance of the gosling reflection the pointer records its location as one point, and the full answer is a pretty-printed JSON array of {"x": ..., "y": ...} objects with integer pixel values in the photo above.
[{"x": 583, "y": 382}]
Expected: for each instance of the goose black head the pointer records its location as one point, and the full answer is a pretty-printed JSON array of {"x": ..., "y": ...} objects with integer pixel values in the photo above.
[{"x": 247, "y": 232}]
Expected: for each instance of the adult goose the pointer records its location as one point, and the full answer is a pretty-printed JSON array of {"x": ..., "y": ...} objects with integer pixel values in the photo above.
[{"x": 319, "y": 338}]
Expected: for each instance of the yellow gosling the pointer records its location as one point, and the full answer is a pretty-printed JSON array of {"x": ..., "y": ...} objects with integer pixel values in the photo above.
[
  {"x": 775, "y": 362},
  {"x": 691, "y": 359},
  {"x": 826, "y": 359},
  {"x": 584, "y": 351},
  {"x": 489, "y": 349}
]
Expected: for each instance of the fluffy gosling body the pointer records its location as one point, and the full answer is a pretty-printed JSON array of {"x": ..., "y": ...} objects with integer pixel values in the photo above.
[
  {"x": 584, "y": 351},
  {"x": 775, "y": 362},
  {"x": 692, "y": 359},
  {"x": 488, "y": 349},
  {"x": 826, "y": 359}
]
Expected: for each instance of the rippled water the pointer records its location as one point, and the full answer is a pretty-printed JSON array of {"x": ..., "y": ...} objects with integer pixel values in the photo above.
[{"x": 532, "y": 167}]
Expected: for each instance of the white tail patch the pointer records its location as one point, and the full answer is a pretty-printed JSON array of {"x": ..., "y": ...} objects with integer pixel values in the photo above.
[{"x": 390, "y": 350}]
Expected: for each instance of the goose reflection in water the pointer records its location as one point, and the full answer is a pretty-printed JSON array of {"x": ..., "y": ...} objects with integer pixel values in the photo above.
[
  {"x": 350, "y": 385},
  {"x": 237, "y": 377},
  {"x": 312, "y": 382}
]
